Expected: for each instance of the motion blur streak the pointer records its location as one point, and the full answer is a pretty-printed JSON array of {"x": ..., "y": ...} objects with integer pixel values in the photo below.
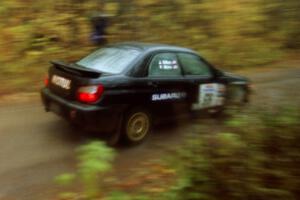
[{"x": 260, "y": 39}]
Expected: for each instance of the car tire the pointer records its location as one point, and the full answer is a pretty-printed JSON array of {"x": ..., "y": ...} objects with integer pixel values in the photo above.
[{"x": 136, "y": 126}]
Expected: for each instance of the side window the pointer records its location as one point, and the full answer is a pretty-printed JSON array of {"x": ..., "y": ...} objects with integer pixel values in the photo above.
[
  {"x": 164, "y": 64},
  {"x": 193, "y": 65}
]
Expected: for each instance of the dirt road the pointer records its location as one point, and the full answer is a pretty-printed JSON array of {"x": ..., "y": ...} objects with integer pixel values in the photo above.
[{"x": 35, "y": 146}]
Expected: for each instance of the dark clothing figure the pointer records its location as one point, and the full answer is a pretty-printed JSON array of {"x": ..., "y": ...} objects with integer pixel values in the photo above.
[{"x": 99, "y": 33}]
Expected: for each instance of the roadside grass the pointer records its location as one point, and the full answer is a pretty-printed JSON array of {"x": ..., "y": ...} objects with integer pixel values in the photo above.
[{"x": 255, "y": 155}]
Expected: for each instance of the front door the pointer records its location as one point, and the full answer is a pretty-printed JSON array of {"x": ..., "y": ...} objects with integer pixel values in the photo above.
[
  {"x": 204, "y": 91},
  {"x": 167, "y": 85}
]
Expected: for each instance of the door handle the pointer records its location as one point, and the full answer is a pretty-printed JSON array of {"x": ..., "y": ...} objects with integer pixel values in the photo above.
[{"x": 152, "y": 83}]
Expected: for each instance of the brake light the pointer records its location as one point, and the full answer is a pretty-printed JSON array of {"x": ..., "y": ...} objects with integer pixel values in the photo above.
[
  {"x": 46, "y": 81},
  {"x": 90, "y": 94}
]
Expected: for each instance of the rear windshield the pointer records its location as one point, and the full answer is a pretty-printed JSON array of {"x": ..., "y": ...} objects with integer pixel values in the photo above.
[{"x": 109, "y": 60}]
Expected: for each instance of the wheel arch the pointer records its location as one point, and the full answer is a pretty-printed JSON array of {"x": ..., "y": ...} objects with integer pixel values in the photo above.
[{"x": 231, "y": 89}]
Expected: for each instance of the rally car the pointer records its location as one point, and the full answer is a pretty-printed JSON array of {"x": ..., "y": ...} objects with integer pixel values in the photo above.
[{"x": 126, "y": 87}]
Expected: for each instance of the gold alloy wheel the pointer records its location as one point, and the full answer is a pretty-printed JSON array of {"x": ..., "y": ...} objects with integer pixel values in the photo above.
[{"x": 137, "y": 126}]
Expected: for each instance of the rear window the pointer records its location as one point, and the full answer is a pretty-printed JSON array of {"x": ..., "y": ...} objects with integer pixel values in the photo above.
[{"x": 109, "y": 60}]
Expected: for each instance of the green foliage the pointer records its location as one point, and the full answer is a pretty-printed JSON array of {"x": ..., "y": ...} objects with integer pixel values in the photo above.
[
  {"x": 125, "y": 196},
  {"x": 118, "y": 196},
  {"x": 229, "y": 33},
  {"x": 65, "y": 179},
  {"x": 259, "y": 160},
  {"x": 95, "y": 159},
  {"x": 257, "y": 157}
]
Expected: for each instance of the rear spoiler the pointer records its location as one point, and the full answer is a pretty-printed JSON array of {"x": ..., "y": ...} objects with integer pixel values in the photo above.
[{"x": 76, "y": 69}]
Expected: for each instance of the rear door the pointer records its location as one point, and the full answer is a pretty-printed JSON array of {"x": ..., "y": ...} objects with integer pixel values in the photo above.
[
  {"x": 168, "y": 89},
  {"x": 204, "y": 90}
]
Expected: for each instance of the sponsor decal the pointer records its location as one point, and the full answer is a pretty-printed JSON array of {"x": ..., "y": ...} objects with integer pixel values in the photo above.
[
  {"x": 168, "y": 96},
  {"x": 210, "y": 95}
]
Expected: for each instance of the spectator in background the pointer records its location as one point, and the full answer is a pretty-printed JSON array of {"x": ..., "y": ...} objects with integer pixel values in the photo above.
[{"x": 99, "y": 35}]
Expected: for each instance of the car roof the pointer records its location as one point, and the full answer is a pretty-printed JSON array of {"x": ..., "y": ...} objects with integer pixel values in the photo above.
[{"x": 150, "y": 47}]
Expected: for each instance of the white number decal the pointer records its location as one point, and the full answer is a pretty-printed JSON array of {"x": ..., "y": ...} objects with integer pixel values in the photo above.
[
  {"x": 210, "y": 95},
  {"x": 168, "y": 64}
]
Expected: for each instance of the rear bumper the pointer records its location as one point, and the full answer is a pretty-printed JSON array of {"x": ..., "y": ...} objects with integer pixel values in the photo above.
[{"x": 90, "y": 117}]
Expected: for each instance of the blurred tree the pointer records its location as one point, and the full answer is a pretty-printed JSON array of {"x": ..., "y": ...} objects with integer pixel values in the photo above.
[
  {"x": 230, "y": 33},
  {"x": 283, "y": 21}
]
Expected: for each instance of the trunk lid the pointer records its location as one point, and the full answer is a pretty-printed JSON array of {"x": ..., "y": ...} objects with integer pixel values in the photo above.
[{"x": 65, "y": 79}]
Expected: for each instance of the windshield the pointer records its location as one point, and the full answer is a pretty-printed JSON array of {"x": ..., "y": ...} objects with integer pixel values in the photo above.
[{"x": 109, "y": 60}]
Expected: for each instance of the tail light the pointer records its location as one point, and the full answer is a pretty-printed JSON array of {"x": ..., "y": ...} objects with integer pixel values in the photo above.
[
  {"x": 46, "y": 81},
  {"x": 90, "y": 94}
]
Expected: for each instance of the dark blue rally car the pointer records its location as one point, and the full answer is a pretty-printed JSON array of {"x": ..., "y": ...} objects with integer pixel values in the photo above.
[{"x": 126, "y": 87}]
